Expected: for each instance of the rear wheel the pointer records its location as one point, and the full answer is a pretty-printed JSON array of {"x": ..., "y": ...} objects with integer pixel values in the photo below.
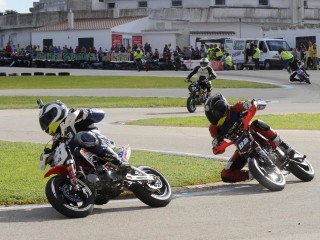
[
  {"x": 268, "y": 176},
  {"x": 155, "y": 193},
  {"x": 191, "y": 106}
]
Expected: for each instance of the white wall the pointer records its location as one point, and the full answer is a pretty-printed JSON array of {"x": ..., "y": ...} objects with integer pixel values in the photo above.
[
  {"x": 102, "y": 38},
  {"x": 158, "y": 40},
  {"x": 22, "y": 37},
  {"x": 290, "y": 34}
]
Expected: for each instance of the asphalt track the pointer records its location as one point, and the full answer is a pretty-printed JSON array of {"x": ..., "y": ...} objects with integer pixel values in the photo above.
[{"x": 236, "y": 211}]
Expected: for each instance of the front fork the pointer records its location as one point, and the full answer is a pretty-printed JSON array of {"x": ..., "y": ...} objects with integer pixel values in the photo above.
[{"x": 71, "y": 171}]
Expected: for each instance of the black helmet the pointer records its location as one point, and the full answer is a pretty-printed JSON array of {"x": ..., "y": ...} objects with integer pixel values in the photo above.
[{"x": 216, "y": 109}]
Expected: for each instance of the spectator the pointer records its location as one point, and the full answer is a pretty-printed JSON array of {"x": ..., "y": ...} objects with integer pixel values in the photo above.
[
  {"x": 203, "y": 51},
  {"x": 315, "y": 57},
  {"x": 228, "y": 62},
  {"x": 256, "y": 57},
  {"x": 156, "y": 54},
  {"x": 100, "y": 54},
  {"x": 122, "y": 49},
  {"x": 310, "y": 52}
]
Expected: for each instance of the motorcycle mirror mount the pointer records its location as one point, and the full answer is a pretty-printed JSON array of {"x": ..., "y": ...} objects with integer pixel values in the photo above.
[{"x": 40, "y": 103}]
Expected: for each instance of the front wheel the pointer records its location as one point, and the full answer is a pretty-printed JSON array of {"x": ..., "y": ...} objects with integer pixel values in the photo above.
[
  {"x": 268, "y": 176},
  {"x": 73, "y": 203},
  {"x": 191, "y": 105},
  {"x": 156, "y": 193}
]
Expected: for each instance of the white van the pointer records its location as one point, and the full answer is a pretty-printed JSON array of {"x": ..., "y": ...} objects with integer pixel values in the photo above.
[{"x": 241, "y": 50}]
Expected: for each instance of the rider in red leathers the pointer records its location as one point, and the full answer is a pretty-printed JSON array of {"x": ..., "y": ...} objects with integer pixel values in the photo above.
[{"x": 225, "y": 119}]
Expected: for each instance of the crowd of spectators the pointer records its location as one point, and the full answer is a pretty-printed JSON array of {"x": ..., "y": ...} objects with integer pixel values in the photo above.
[{"x": 11, "y": 51}]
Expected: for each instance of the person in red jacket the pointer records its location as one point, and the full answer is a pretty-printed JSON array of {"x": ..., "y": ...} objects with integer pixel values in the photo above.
[{"x": 225, "y": 119}]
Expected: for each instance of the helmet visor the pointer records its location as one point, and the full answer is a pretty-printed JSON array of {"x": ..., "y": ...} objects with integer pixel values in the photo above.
[
  {"x": 203, "y": 64},
  {"x": 47, "y": 118}
]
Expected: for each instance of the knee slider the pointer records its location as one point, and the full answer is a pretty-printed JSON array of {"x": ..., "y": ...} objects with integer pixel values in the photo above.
[{"x": 261, "y": 125}]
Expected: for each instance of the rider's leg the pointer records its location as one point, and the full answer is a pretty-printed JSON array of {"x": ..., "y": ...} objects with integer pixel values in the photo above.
[
  {"x": 233, "y": 170},
  {"x": 101, "y": 146},
  {"x": 270, "y": 134}
]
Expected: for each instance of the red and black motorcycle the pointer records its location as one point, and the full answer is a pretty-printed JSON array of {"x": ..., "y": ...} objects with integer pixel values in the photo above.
[
  {"x": 267, "y": 164},
  {"x": 81, "y": 179}
]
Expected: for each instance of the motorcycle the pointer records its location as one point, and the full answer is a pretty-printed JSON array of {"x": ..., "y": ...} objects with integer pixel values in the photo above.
[
  {"x": 83, "y": 179},
  {"x": 268, "y": 164},
  {"x": 178, "y": 62},
  {"x": 197, "y": 96},
  {"x": 300, "y": 75}
]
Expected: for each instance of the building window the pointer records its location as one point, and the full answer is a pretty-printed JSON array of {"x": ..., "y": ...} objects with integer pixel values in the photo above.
[
  {"x": 101, "y": 0},
  {"x": 176, "y": 3},
  {"x": 264, "y": 2},
  {"x": 143, "y": 4},
  {"x": 305, "y": 4},
  {"x": 111, "y": 5},
  {"x": 220, "y": 2}
]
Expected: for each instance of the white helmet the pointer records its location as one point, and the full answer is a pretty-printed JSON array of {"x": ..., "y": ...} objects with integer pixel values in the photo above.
[
  {"x": 204, "y": 63},
  {"x": 51, "y": 115}
]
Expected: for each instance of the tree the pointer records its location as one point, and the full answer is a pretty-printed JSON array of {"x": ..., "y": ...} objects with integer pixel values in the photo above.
[{"x": 10, "y": 12}]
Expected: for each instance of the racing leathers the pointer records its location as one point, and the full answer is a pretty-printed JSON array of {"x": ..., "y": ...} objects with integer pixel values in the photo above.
[
  {"x": 204, "y": 76},
  {"x": 83, "y": 133},
  {"x": 233, "y": 171}
]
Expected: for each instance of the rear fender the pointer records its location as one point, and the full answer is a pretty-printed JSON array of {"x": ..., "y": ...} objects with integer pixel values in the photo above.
[{"x": 59, "y": 170}]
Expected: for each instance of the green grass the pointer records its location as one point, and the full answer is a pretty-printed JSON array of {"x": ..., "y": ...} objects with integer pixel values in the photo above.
[
  {"x": 85, "y": 82},
  {"x": 300, "y": 121},
  {"x": 16, "y": 102},
  {"x": 21, "y": 182}
]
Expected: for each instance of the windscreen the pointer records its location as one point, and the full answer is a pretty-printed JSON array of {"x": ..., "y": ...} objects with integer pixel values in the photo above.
[{"x": 275, "y": 45}]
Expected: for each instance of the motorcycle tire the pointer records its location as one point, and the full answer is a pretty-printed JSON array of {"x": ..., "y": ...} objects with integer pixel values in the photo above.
[
  {"x": 273, "y": 182},
  {"x": 160, "y": 198},
  {"x": 191, "y": 106},
  {"x": 65, "y": 201},
  {"x": 302, "y": 170}
]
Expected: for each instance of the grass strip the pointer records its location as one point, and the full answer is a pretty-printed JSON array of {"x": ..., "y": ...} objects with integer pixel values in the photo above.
[
  {"x": 19, "y": 102},
  {"x": 85, "y": 82},
  {"x": 298, "y": 121},
  {"x": 21, "y": 182}
]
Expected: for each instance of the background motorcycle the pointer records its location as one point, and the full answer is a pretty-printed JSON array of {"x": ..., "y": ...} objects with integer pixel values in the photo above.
[
  {"x": 300, "y": 75},
  {"x": 197, "y": 96},
  {"x": 268, "y": 165},
  {"x": 83, "y": 179}
]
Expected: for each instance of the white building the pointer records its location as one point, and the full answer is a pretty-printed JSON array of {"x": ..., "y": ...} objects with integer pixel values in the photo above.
[{"x": 178, "y": 22}]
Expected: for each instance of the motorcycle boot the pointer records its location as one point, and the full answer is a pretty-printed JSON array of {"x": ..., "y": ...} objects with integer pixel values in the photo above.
[
  {"x": 111, "y": 156},
  {"x": 288, "y": 150}
]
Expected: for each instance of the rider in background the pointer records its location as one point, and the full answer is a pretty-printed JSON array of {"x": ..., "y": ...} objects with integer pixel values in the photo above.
[
  {"x": 138, "y": 54},
  {"x": 292, "y": 64},
  {"x": 224, "y": 119},
  {"x": 80, "y": 133},
  {"x": 205, "y": 73}
]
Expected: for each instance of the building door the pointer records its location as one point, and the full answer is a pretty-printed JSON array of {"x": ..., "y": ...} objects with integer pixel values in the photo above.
[
  {"x": 47, "y": 42},
  {"x": 86, "y": 42}
]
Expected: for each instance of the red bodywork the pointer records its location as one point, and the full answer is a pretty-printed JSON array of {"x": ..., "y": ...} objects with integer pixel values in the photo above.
[{"x": 60, "y": 170}]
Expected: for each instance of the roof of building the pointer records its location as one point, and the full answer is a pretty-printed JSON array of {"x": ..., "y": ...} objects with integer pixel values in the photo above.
[
  {"x": 89, "y": 24},
  {"x": 228, "y": 33}
]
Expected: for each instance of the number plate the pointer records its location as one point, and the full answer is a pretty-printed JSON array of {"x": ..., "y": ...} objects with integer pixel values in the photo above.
[{"x": 243, "y": 143}]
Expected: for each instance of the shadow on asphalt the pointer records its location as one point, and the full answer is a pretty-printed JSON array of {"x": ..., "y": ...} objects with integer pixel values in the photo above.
[
  {"x": 47, "y": 213},
  {"x": 249, "y": 188}
]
